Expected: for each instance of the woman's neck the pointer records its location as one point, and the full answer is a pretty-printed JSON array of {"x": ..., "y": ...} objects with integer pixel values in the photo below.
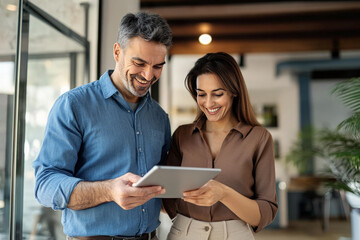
[{"x": 221, "y": 126}]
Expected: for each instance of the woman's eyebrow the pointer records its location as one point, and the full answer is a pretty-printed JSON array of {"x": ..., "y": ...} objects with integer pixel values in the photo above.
[{"x": 218, "y": 89}]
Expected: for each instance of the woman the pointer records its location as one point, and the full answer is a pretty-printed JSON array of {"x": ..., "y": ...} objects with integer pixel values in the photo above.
[{"x": 226, "y": 135}]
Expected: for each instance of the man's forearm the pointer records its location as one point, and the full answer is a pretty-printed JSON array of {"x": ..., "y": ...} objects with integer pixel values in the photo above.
[
  {"x": 120, "y": 190},
  {"x": 89, "y": 194}
]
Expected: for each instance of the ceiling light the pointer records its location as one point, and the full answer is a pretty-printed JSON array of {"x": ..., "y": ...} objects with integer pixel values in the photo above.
[
  {"x": 11, "y": 7},
  {"x": 205, "y": 39}
]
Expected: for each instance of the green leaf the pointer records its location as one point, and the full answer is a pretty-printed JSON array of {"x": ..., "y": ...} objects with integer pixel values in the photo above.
[
  {"x": 351, "y": 125},
  {"x": 349, "y": 92}
]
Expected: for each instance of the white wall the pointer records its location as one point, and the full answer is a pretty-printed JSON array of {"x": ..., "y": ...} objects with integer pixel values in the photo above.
[
  {"x": 93, "y": 37},
  {"x": 266, "y": 88},
  {"x": 327, "y": 111},
  {"x": 112, "y": 13},
  {"x": 180, "y": 65}
]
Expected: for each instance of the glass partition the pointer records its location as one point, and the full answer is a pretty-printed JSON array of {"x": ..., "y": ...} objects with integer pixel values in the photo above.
[
  {"x": 8, "y": 36},
  {"x": 54, "y": 65},
  {"x": 6, "y": 119},
  {"x": 70, "y": 12},
  {"x": 51, "y": 54}
]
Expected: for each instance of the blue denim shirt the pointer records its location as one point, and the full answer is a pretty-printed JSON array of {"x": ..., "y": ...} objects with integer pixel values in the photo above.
[{"x": 92, "y": 134}]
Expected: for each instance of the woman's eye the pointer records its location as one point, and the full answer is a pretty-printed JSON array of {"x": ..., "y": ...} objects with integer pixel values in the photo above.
[
  {"x": 201, "y": 95},
  {"x": 219, "y": 95}
]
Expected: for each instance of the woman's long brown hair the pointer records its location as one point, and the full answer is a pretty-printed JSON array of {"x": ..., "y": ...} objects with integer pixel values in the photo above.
[{"x": 226, "y": 68}]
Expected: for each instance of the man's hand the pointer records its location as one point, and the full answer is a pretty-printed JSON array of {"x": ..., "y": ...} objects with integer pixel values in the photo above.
[
  {"x": 209, "y": 194},
  {"x": 126, "y": 196},
  {"x": 120, "y": 190}
]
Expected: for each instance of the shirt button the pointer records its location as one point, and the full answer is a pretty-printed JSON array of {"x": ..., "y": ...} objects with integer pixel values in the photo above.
[
  {"x": 143, "y": 210},
  {"x": 206, "y": 228},
  {"x": 128, "y": 111},
  {"x": 139, "y": 149},
  {"x": 137, "y": 133},
  {"x": 142, "y": 174}
]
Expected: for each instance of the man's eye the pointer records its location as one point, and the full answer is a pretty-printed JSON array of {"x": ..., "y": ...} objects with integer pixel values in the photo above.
[
  {"x": 157, "y": 67},
  {"x": 139, "y": 64}
]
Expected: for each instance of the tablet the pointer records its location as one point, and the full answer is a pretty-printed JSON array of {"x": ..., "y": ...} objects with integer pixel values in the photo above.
[{"x": 176, "y": 180}]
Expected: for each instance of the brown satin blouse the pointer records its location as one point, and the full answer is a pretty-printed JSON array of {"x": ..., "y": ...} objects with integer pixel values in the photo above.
[{"x": 246, "y": 159}]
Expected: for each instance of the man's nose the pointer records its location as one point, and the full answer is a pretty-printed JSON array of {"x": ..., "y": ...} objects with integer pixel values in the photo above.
[{"x": 148, "y": 74}]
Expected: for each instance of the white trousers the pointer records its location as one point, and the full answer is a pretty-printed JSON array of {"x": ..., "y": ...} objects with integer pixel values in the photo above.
[{"x": 185, "y": 228}]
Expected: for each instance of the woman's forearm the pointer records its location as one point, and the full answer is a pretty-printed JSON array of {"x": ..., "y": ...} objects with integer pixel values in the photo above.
[{"x": 246, "y": 209}]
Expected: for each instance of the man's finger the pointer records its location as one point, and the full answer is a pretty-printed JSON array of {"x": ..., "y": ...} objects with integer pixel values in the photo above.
[
  {"x": 151, "y": 195},
  {"x": 144, "y": 191},
  {"x": 134, "y": 201},
  {"x": 131, "y": 177}
]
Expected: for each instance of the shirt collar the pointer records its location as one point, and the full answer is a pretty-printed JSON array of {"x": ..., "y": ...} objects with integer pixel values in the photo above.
[
  {"x": 242, "y": 128},
  {"x": 108, "y": 88}
]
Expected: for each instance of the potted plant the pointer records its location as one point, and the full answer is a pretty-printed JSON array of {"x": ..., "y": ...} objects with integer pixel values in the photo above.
[
  {"x": 303, "y": 151},
  {"x": 341, "y": 149}
]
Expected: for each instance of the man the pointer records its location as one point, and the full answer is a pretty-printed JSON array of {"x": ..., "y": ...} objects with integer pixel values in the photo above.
[{"x": 102, "y": 137}]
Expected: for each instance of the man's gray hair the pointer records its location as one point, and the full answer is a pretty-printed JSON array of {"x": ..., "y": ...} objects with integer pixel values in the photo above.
[{"x": 149, "y": 26}]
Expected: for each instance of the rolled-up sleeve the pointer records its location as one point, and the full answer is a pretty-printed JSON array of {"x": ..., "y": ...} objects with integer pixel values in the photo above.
[
  {"x": 265, "y": 183},
  {"x": 55, "y": 164}
]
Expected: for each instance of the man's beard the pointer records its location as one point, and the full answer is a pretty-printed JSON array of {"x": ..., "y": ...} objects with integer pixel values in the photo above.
[{"x": 129, "y": 84}]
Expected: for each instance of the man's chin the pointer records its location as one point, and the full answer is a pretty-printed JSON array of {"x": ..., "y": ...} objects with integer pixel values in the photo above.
[
  {"x": 140, "y": 93},
  {"x": 139, "y": 90}
]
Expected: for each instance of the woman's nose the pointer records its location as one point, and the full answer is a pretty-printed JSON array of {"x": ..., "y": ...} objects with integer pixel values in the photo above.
[{"x": 209, "y": 102}]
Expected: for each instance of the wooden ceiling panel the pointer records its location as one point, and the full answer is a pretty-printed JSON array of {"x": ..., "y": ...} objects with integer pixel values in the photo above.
[
  {"x": 238, "y": 28},
  {"x": 265, "y": 46},
  {"x": 273, "y": 8},
  {"x": 261, "y": 26}
]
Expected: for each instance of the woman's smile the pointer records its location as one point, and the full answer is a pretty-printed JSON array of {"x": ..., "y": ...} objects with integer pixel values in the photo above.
[{"x": 213, "y": 111}]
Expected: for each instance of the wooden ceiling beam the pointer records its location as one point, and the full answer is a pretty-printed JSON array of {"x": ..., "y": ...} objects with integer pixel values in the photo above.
[
  {"x": 261, "y": 28},
  {"x": 256, "y": 9},
  {"x": 265, "y": 46}
]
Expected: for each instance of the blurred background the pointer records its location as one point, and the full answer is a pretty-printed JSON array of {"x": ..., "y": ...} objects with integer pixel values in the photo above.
[{"x": 291, "y": 53}]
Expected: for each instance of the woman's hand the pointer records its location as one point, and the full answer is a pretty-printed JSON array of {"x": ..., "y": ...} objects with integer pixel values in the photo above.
[
  {"x": 209, "y": 194},
  {"x": 214, "y": 191}
]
